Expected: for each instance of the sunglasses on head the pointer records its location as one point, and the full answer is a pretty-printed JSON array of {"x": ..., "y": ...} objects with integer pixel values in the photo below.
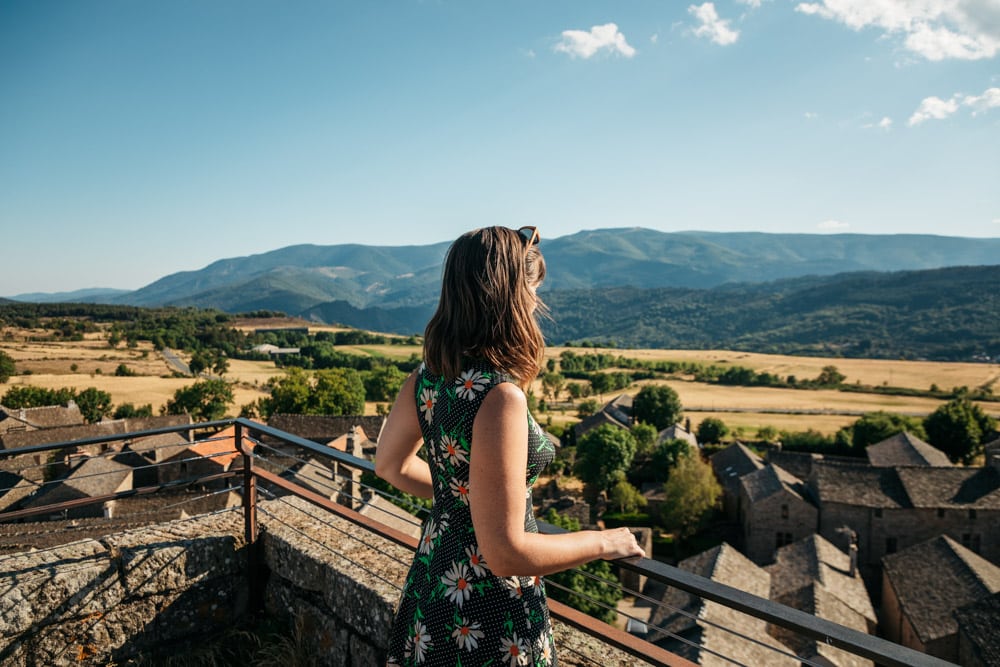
[{"x": 530, "y": 235}]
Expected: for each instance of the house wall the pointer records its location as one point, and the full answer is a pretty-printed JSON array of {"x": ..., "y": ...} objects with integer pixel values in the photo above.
[{"x": 763, "y": 520}]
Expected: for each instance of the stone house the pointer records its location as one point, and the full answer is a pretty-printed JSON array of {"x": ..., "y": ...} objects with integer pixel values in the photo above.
[
  {"x": 890, "y": 509},
  {"x": 95, "y": 476},
  {"x": 905, "y": 449},
  {"x": 323, "y": 429},
  {"x": 145, "y": 455},
  {"x": 34, "y": 419},
  {"x": 677, "y": 432},
  {"x": 922, "y": 588},
  {"x": 730, "y": 465},
  {"x": 687, "y": 625},
  {"x": 775, "y": 510},
  {"x": 814, "y": 576},
  {"x": 617, "y": 412}
]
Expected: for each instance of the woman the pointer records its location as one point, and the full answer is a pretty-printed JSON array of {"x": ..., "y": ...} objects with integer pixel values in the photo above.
[{"x": 473, "y": 594}]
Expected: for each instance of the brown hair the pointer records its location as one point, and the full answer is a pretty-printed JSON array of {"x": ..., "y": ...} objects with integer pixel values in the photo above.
[{"x": 488, "y": 306}]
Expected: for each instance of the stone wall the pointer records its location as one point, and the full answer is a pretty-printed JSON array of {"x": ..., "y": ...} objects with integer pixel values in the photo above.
[
  {"x": 97, "y": 600},
  {"x": 160, "y": 590}
]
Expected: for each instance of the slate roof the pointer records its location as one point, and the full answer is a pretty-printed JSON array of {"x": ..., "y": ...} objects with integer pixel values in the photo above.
[
  {"x": 14, "y": 489},
  {"x": 158, "y": 447},
  {"x": 799, "y": 464},
  {"x": 933, "y": 579},
  {"x": 977, "y": 624},
  {"x": 959, "y": 488},
  {"x": 726, "y": 565},
  {"x": 864, "y": 486},
  {"x": 317, "y": 475},
  {"x": 598, "y": 419},
  {"x": 48, "y": 416},
  {"x": 95, "y": 476},
  {"x": 324, "y": 428},
  {"x": 820, "y": 602},
  {"x": 677, "y": 432},
  {"x": 905, "y": 449},
  {"x": 734, "y": 462},
  {"x": 814, "y": 561},
  {"x": 16, "y": 439},
  {"x": 769, "y": 480}
]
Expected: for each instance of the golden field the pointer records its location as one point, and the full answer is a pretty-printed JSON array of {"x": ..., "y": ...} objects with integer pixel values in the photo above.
[{"x": 51, "y": 365}]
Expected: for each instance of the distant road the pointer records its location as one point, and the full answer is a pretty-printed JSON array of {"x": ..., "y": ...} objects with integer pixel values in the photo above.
[{"x": 174, "y": 361}]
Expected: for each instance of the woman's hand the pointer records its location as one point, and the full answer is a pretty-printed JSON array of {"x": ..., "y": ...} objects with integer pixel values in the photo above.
[{"x": 620, "y": 543}]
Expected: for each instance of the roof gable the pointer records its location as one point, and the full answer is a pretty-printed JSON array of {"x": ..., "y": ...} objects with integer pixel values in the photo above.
[
  {"x": 862, "y": 486},
  {"x": 905, "y": 449},
  {"x": 769, "y": 480}
]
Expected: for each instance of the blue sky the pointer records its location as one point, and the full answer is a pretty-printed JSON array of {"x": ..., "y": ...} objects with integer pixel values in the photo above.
[{"x": 141, "y": 138}]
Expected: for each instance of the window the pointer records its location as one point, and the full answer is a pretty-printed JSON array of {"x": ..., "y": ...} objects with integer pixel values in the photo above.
[
  {"x": 972, "y": 514},
  {"x": 890, "y": 545},
  {"x": 784, "y": 511},
  {"x": 781, "y": 539},
  {"x": 940, "y": 512},
  {"x": 878, "y": 512}
]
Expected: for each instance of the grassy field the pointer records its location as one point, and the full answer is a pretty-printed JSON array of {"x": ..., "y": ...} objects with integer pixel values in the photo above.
[{"x": 92, "y": 363}]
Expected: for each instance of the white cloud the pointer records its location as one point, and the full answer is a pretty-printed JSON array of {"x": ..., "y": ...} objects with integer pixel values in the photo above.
[
  {"x": 935, "y": 29},
  {"x": 933, "y": 107},
  {"x": 832, "y": 224},
  {"x": 753, "y": 3},
  {"x": 996, "y": 221},
  {"x": 607, "y": 37},
  {"x": 937, "y": 109},
  {"x": 884, "y": 124},
  {"x": 713, "y": 27},
  {"x": 990, "y": 99},
  {"x": 655, "y": 37},
  {"x": 810, "y": 115}
]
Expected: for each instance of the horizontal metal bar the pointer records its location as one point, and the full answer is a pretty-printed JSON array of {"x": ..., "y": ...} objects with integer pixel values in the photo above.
[
  {"x": 99, "y": 439},
  {"x": 882, "y": 651},
  {"x": 314, "y": 447},
  {"x": 93, "y": 500}
]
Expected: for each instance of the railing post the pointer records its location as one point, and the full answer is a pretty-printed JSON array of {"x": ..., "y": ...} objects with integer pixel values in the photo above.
[{"x": 255, "y": 580}]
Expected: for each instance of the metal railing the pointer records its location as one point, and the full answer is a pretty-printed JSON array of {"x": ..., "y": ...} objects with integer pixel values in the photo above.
[{"x": 262, "y": 449}]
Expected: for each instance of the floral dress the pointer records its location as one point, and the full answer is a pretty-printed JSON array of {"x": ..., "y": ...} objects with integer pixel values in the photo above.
[{"x": 453, "y": 610}]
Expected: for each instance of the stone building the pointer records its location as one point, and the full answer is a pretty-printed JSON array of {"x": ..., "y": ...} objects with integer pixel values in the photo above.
[
  {"x": 212, "y": 455},
  {"x": 905, "y": 449},
  {"x": 922, "y": 588},
  {"x": 14, "y": 420},
  {"x": 686, "y": 624},
  {"x": 95, "y": 476},
  {"x": 730, "y": 465},
  {"x": 814, "y": 576},
  {"x": 890, "y": 509},
  {"x": 774, "y": 511},
  {"x": 617, "y": 412},
  {"x": 677, "y": 432}
]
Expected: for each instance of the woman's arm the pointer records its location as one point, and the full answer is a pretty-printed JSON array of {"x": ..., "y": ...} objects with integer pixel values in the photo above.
[
  {"x": 396, "y": 459},
  {"x": 497, "y": 499}
]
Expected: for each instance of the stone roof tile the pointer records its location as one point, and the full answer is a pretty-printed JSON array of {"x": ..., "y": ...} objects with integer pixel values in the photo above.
[
  {"x": 769, "y": 480},
  {"x": 978, "y": 624},
  {"x": 905, "y": 449},
  {"x": 864, "y": 486},
  {"x": 933, "y": 579}
]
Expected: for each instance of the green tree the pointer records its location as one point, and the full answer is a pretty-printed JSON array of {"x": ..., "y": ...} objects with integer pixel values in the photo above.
[
  {"x": 658, "y": 405},
  {"x": 645, "y": 438},
  {"x": 712, "y": 430},
  {"x": 626, "y": 497},
  {"x": 552, "y": 384},
  {"x": 7, "y": 367},
  {"x": 332, "y": 391},
  {"x": 382, "y": 383},
  {"x": 129, "y": 411},
  {"x": 570, "y": 586},
  {"x": 205, "y": 400},
  {"x": 874, "y": 427},
  {"x": 957, "y": 428},
  {"x": 28, "y": 396},
  {"x": 220, "y": 365},
  {"x": 338, "y": 391},
  {"x": 124, "y": 371},
  {"x": 94, "y": 404},
  {"x": 691, "y": 492},
  {"x": 767, "y": 433},
  {"x": 830, "y": 377},
  {"x": 587, "y": 408},
  {"x": 602, "y": 454}
]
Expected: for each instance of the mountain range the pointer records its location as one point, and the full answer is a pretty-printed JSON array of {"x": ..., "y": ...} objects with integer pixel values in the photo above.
[{"x": 609, "y": 284}]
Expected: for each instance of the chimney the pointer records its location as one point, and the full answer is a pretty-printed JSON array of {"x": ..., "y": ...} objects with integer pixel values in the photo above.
[{"x": 852, "y": 552}]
